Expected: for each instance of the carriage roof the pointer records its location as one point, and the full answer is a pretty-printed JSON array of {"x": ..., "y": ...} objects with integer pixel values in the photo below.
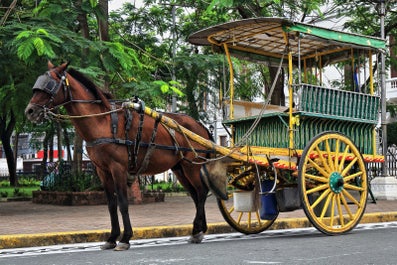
[{"x": 264, "y": 39}]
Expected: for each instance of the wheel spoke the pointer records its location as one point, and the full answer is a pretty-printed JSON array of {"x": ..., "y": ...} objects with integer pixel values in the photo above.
[
  {"x": 349, "y": 166},
  {"x": 341, "y": 219},
  {"x": 318, "y": 188},
  {"x": 231, "y": 210},
  {"x": 319, "y": 199},
  {"x": 353, "y": 176},
  {"x": 342, "y": 162},
  {"x": 326, "y": 204},
  {"x": 327, "y": 168},
  {"x": 332, "y": 210},
  {"x": 318, "y": 167},
  {"x": 336, "y": 158},
  {"x": 240, "y": 215},
  {"x": 353, "y": 187},
  {"x": 350, "y": 197},
  {"x": 316, "y": 178},
  {"x": 329, "y": 155},
  {"x": 258, "y": 217},
  {"x": 346, "y": 206}
]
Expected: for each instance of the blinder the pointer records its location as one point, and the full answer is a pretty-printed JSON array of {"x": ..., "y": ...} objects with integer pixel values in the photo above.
[{"x": 47, "y": 84}]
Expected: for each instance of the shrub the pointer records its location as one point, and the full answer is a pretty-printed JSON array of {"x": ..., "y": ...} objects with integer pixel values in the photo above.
[
  {"x": 28, "y": 182},
  {"x": 62, "y": 179},
  {"x": 4, "y": 183}
]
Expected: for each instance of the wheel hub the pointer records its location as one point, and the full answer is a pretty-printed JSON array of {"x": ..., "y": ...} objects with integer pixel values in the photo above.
[{"x": 336, "y": 182}]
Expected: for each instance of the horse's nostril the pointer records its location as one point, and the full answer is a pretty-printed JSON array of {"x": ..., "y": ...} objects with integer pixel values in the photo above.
[{"x": 30, "y": 111}]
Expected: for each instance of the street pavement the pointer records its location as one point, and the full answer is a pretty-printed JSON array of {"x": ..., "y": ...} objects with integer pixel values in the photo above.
[{"x": 26, "y": 224}]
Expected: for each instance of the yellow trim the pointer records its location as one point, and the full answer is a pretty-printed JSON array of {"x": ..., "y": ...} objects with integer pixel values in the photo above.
[
  {"x": 231, "y": 82},
  {"x": 291, "y": 100}
]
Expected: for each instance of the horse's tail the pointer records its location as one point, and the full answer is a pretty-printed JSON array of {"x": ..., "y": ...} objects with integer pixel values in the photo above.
[{"x": 214, "y": 175}]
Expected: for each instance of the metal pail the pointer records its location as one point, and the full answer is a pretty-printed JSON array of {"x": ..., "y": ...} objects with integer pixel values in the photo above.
[{"x": 269, "y": 208}]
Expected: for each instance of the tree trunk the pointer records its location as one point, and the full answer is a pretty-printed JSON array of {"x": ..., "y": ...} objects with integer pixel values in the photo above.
[
  {"x": 77, "y": 155},
  {"x": 278, "y": 96},
  {"x": 103, "y": 20},
  {"x": 7, "y": 125},
  {"x": 43, "y": 168},
  {"x": 51, "y": 144},
  {"x": 78, "y": 142},
  {"x": 67, "y": 144},
  {"x": 103, "y": 27}
]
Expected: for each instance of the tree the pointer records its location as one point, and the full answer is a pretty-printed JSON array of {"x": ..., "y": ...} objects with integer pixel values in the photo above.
[{"x": 46, "y": 30}]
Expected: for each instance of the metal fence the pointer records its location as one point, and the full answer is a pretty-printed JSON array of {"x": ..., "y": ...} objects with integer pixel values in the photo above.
[{"x": 375, "y": 169}]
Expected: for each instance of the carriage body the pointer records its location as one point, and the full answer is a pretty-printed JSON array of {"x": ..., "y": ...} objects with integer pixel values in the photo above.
[{"x": 313, "y": 150}]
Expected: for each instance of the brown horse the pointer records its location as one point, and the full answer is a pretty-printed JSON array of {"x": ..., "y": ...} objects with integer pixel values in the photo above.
[{"x": 118, "y": 141}]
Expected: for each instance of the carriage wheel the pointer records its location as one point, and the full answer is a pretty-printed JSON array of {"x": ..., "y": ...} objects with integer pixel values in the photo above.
[
  {"x": 246, "y": 222},
  {"x": 333, "y": 183}
]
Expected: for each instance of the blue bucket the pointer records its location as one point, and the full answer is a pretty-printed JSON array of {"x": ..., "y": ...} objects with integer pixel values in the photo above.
[{"x": 269, "y": 208}]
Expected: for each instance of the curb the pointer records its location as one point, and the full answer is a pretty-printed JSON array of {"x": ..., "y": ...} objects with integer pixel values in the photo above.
[{"x": 45, "y": 239}]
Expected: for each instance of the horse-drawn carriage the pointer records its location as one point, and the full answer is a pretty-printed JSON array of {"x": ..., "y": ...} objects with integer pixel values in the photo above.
[
  {"x": 310, "y": 154},
  {"x": 315, "y": 150}
]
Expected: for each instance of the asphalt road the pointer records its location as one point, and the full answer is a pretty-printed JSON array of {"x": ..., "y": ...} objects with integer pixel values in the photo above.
[{"x": 367, "y": 244}]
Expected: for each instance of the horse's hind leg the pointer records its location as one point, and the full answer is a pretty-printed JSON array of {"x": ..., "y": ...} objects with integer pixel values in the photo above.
[{"x": 189, "y": 176}]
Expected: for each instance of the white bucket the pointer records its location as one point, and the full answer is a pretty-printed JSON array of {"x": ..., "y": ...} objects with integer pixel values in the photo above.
[{"x": 243, "y": 201}]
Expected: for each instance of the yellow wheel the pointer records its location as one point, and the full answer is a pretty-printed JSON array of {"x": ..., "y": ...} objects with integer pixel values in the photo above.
[
  {"x": 244, "y": 220},
  {"x": 333, "y": 183}
]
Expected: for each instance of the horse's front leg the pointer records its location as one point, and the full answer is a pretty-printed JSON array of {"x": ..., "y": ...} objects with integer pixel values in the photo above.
[
  {"x": 108, "y": 184},
  {"x": 121, "y": 189},
  {"x": 114, "y": 220}
]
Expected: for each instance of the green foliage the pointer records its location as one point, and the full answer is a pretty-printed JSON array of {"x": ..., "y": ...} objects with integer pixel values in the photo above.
[
  {"x": 392, "y": 133},
  {"x": 167, "y": 187},
  {"x": 28, "y": 182},
  {"x": 39, "y": 40},
  {"x": 4, "y": 183},
  {"x": 21, "y": 191},
  {"x": 62, "y": 179}
]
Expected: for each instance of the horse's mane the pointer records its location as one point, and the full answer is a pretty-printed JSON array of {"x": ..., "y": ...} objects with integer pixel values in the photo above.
[{"x": 96, "y": 91}]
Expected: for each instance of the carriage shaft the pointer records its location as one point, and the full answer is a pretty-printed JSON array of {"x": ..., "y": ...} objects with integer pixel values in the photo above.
[{"x": 229, "y": 152}]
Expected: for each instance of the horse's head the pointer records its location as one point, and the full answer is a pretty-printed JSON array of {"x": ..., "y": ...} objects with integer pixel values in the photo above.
[{"x": 46, "y": 92}]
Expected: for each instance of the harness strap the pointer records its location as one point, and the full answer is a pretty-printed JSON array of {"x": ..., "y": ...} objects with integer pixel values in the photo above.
[
  {"x": 127, "y": 126},
  {"x": 138, "y": 138},
  {"x": 114, "y": 119},
  {"x": 151, "y": 148},
  {"x": 145, "y": 145}
]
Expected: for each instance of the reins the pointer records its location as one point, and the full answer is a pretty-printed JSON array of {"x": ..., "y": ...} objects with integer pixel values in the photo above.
[{"x": 57, "y": 116}]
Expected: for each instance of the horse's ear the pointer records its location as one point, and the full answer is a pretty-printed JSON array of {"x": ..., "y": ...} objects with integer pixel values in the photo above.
[
  {"x": 64, "y": 66},
  {"x": 50, "y": 65}
]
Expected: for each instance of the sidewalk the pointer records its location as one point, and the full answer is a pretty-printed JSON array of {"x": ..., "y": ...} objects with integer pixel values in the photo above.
[{"x": 27, "y": 224}]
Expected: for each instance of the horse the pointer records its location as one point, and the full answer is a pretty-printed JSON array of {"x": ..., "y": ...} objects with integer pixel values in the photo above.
[{"x": 119, "y": 144}]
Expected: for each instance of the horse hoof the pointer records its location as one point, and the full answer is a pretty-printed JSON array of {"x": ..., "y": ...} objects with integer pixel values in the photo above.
[
  {"x": 197, "y": 238},
  {"x": 108, "y": 245},
  {"x": 122, "y": 246}
]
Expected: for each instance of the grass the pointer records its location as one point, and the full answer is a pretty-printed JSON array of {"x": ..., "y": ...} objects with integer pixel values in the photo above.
[
  {"x": 10, "y": 192},
  {"x": 166, "y": 187},
  {"x": 25, "y": 188}
]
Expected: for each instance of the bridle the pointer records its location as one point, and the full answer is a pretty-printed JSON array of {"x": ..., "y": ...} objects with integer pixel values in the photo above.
[{"x": 47, "y": 84}]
